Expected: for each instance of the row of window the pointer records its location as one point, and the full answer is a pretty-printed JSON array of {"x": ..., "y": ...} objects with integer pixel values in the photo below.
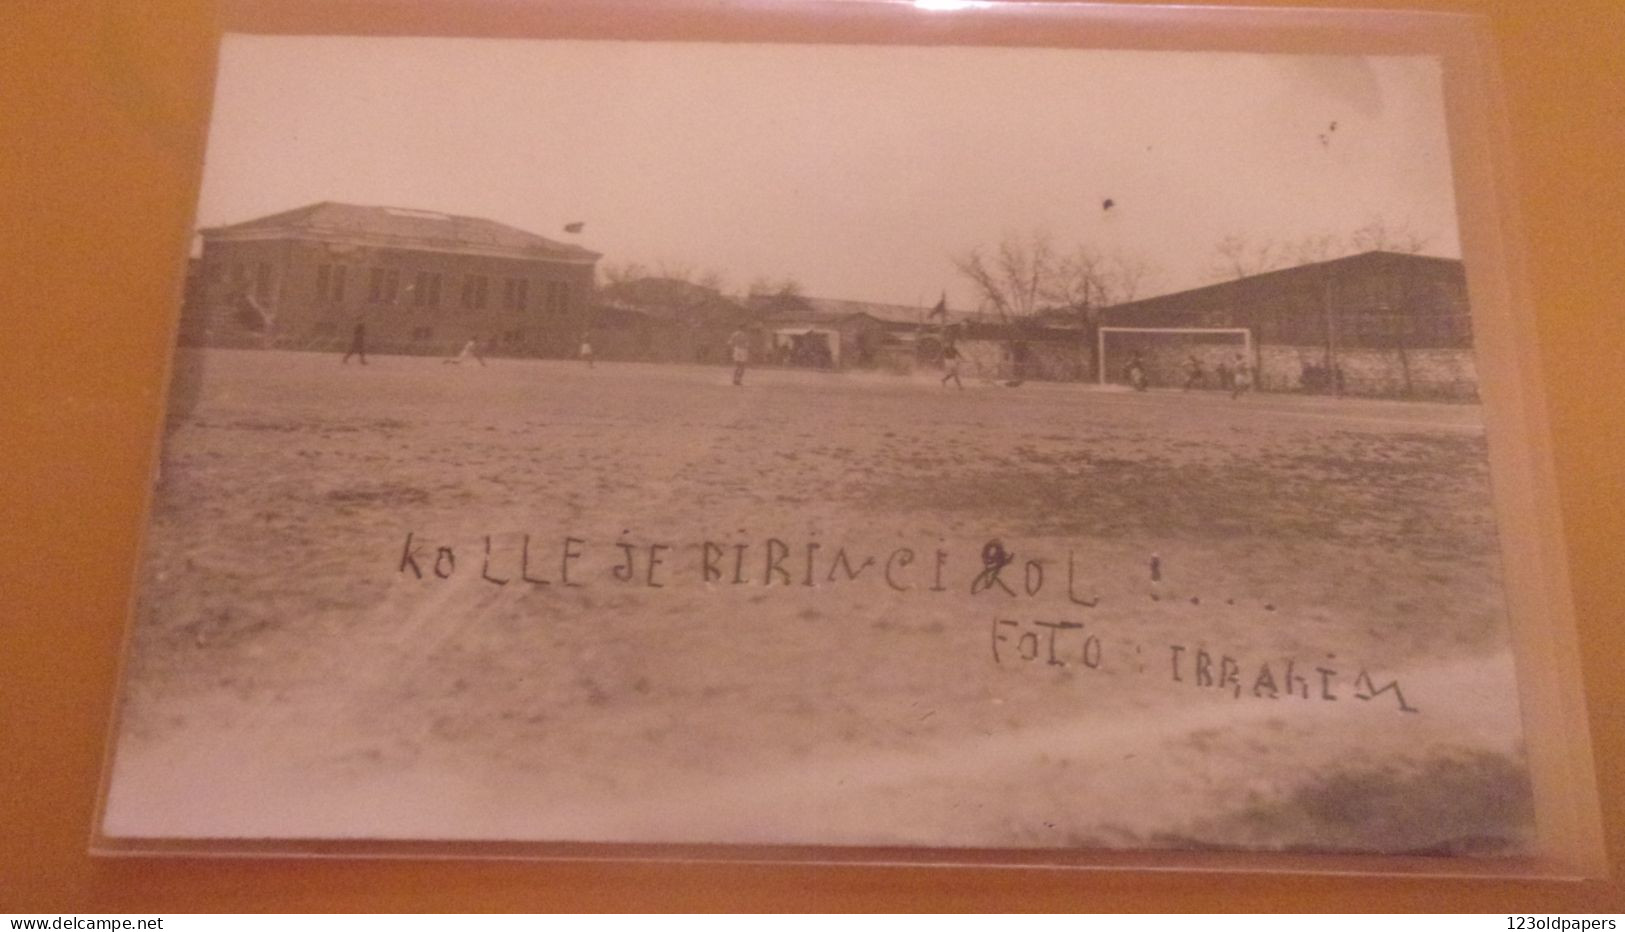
[
  {"x": 423, "y": 290},
  {"x": 384, "y": 286}
]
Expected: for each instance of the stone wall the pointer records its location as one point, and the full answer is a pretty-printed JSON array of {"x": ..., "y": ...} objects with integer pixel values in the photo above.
[
  {"x": 1052, "y": 361},
  {"x": 1167, "y": 362},
  {"x": 1395, "y": 373}
]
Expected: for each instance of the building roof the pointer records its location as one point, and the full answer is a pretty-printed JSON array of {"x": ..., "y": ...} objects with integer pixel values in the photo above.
[
  {"x": 799, "y": 307},
  {"x": 792, "y": 317},
  {"x": 1372, "y": 261},
  {"x": 403, "y": 228},
  {"x": 890, "y": 313}
]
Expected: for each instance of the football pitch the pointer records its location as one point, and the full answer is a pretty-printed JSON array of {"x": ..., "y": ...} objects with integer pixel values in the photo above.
[{"x": 536, "y": 601}]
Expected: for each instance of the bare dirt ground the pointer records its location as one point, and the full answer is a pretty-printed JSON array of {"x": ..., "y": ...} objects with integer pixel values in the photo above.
[{"x": 291, "y": 675}]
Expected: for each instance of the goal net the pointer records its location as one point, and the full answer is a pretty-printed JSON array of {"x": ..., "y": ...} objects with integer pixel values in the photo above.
[{"x": 1174, "y": 356}]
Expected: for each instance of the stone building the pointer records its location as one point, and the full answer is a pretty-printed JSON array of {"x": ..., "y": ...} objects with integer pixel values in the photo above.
[
  {"x": 824, "y": 332},
  {"x": 420, "y": 281},
  {"x": 1377, "y": 323}
]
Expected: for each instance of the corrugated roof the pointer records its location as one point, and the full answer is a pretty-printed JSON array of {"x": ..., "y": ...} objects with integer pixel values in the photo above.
[
  {"x": 892, "y": 313},
  {"x": 1375, "y": 258},
  {"x": 407, "y": 227}
]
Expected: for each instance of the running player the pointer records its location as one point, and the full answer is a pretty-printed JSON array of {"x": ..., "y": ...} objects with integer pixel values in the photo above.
[
  {"x": 1193, "y": 373},
  {"x": 358, "y": 344},
  {"x": 1136, "y": 373},
  {"x": 1243, "y": 378},
  {"x": 739, "y": 343},
  {"x": 950, "y": 364},
  {"x": 471, "y": 350}
]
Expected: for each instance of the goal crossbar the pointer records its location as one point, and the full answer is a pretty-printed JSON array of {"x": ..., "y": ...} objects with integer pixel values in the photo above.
[{"x": 1243, "y": 332}]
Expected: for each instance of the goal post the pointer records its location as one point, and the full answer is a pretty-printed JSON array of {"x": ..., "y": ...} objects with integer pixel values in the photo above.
[{"x": 1165, "y": 352}]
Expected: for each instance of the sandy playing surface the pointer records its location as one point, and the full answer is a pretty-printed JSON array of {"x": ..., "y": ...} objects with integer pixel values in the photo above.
[{"x": 293, "y": 676}]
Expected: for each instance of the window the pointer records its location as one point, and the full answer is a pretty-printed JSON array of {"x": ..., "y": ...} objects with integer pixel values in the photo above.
[
  {"x": 515, "y": 294},
  {"x": 474, "y": 288},
  {"x": 330, "y": 283},
  {"x": 556, "y": 296},
  {"x": 384, "y": 286},
  {"x": 426, "y": 290},
  {"x": 262, "y": 281}
]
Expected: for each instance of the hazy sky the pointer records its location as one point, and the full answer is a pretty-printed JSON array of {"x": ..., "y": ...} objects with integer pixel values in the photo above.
[{"x": 856, "y": 170}]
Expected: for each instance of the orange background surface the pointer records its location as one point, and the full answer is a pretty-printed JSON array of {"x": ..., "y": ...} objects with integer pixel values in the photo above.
[{"x": 102, "y": 112}]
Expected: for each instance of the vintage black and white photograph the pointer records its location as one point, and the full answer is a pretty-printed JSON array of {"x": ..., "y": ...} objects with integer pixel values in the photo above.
[{"x": 847, "y": 445}]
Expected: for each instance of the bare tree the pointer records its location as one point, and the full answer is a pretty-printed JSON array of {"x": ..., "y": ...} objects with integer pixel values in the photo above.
[
  {"x": 1019, "y": 276},
  {"x": 1081, "y": 281},
  {"x": 620, "y": 273},
  {"x": 1379, "y": 234},
  {"x": 687, "y": 272},
  {"x": 1317, "y": 248},
  {"x": 770, "y": 294},
  {"x": 1126, "y": 276},
  {"x": 713, "y": 280},
  {"x": 1087, "y": 280},
  {"x": 1026, "y": 274},
  {"x": 1240, "y": 255},
  {"x": 617, "y": 273}
]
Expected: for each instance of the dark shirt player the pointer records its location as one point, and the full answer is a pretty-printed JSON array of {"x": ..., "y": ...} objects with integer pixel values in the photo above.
[{"x": 358, "y": 344}]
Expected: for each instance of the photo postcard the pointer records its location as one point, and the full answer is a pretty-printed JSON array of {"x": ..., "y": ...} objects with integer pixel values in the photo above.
[{"x": 942, "y": 447}]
